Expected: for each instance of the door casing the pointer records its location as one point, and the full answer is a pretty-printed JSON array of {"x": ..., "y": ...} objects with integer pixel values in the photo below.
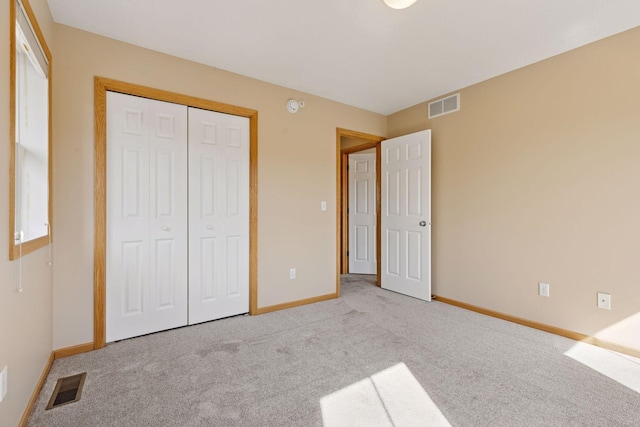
[{"x": 101, "y": 86}]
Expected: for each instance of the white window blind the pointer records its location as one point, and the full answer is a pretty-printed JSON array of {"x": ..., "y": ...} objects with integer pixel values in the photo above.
[{"x": 31, "y": 133}]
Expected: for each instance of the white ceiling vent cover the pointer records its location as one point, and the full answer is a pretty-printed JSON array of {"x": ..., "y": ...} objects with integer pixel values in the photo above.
[{"x": 446, "y": 105}]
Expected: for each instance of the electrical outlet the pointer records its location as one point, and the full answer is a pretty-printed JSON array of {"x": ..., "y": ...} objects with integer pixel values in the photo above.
[
  {"x": 292, "y": 273},
  {"x": 3, "y": 383},
  {"x": 604, "y": 300},
  {"x": 543, "y": 289}
]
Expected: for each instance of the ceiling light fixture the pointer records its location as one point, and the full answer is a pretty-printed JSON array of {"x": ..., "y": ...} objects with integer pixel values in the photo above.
[{"x": 399, "y": 4}]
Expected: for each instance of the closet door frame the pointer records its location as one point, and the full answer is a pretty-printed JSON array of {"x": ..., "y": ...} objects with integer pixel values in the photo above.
[{"x": 101, "y": 86}]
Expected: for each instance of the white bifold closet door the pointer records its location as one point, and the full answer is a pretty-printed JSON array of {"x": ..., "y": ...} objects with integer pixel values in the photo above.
[
  {"x": 146, "y": 216},
  {"x": 177, "y": 216},
  {"x": 218, "y": 215}
]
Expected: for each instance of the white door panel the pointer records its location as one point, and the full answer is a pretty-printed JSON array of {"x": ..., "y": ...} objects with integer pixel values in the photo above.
[
  {"x": 218, "y": 215},
  {"x": 362, "y": 213},
  {"x": 177, "y": 203},
  {"x": 406, "y": 215},
  {"x": 146, "y": 216}
]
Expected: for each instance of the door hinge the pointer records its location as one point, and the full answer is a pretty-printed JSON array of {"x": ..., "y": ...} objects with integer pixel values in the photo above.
[
  {"x": 347, "y": 253},
  {"x": 347, "y": 167}
]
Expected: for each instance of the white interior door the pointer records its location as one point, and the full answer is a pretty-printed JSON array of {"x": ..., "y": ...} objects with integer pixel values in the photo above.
[
  {"x": 406, "y": 215},
  {"x": 146, "y": 275},
  {"x": 362, "y": 213},
  {"x": 218, "y": 215}
]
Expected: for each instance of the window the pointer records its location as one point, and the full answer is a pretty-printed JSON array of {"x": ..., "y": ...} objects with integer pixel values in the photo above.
[{"x": 30, "y": 134}]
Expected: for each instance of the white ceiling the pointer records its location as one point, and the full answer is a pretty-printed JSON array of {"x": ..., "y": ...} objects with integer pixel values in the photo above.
[{"x": 359, "y": 52}]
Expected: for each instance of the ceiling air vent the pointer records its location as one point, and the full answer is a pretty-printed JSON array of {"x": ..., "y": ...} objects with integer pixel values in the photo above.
[{"x": 444, "y": 106}]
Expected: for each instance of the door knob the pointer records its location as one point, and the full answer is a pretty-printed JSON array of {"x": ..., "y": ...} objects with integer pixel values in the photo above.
[
  {"x": 165, "y": 228},
  {"x": 423, "y": 223},
  {"x": 209, "y": 227}
]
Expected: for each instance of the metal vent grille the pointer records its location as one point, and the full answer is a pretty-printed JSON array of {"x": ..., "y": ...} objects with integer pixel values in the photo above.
[
  {"x": 68, "y": 390},
  {"x": 444, "y": 106}
]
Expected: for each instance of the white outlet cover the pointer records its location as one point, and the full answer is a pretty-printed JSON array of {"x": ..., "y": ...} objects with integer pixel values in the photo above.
[
  {"x": 323, "y": 205},
  {"x": 604, "y": 300},
  {"x": 3, "y": 383},
  {"x": 543, "y": 289}
]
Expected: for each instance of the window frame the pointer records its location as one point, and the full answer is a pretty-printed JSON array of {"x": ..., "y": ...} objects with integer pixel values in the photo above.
[{"x": 17, "y": 250}]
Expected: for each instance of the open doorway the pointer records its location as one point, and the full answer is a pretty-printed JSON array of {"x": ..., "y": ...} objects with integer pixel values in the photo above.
[{"x": 349, "y": 143}]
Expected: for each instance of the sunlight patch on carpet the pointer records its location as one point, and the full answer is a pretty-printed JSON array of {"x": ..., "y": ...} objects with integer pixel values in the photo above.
[
  {"x": 619, "y": 367},
  {"x": 392, "y": 397}
]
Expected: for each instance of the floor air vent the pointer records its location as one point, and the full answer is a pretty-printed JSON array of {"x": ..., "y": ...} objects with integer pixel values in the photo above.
[{"x": 68, "y": 390}]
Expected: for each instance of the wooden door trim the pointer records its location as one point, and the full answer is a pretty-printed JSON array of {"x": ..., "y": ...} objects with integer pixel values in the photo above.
[
  {"x": 342, "y": 191},
  {"x": 101, "y": 86}
]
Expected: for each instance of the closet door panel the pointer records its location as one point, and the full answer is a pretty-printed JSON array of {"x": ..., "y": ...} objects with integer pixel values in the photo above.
[
  {"x": 146, "y": 216},
  {"x": 218, "y": 215},
  {"x": 168, "y": 210}
]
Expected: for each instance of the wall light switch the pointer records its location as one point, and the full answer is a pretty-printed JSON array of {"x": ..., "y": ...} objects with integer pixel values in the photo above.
[
  {"x": 604, "y": 300},
  {"x": 323, "y": 205},
  {"x": 3, "y": 383},
  {"x": 292, "y": 273}
]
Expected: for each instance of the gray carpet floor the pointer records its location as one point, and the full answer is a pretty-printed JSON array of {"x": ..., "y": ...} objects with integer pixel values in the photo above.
[{"x": 312, "y": 366}]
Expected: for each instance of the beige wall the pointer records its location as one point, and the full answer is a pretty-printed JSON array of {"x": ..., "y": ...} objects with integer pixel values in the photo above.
[
  {"x": 25, "y": 318},
  {"x": 537, "y": 178},
  {"x": 296, "y": 154}
]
